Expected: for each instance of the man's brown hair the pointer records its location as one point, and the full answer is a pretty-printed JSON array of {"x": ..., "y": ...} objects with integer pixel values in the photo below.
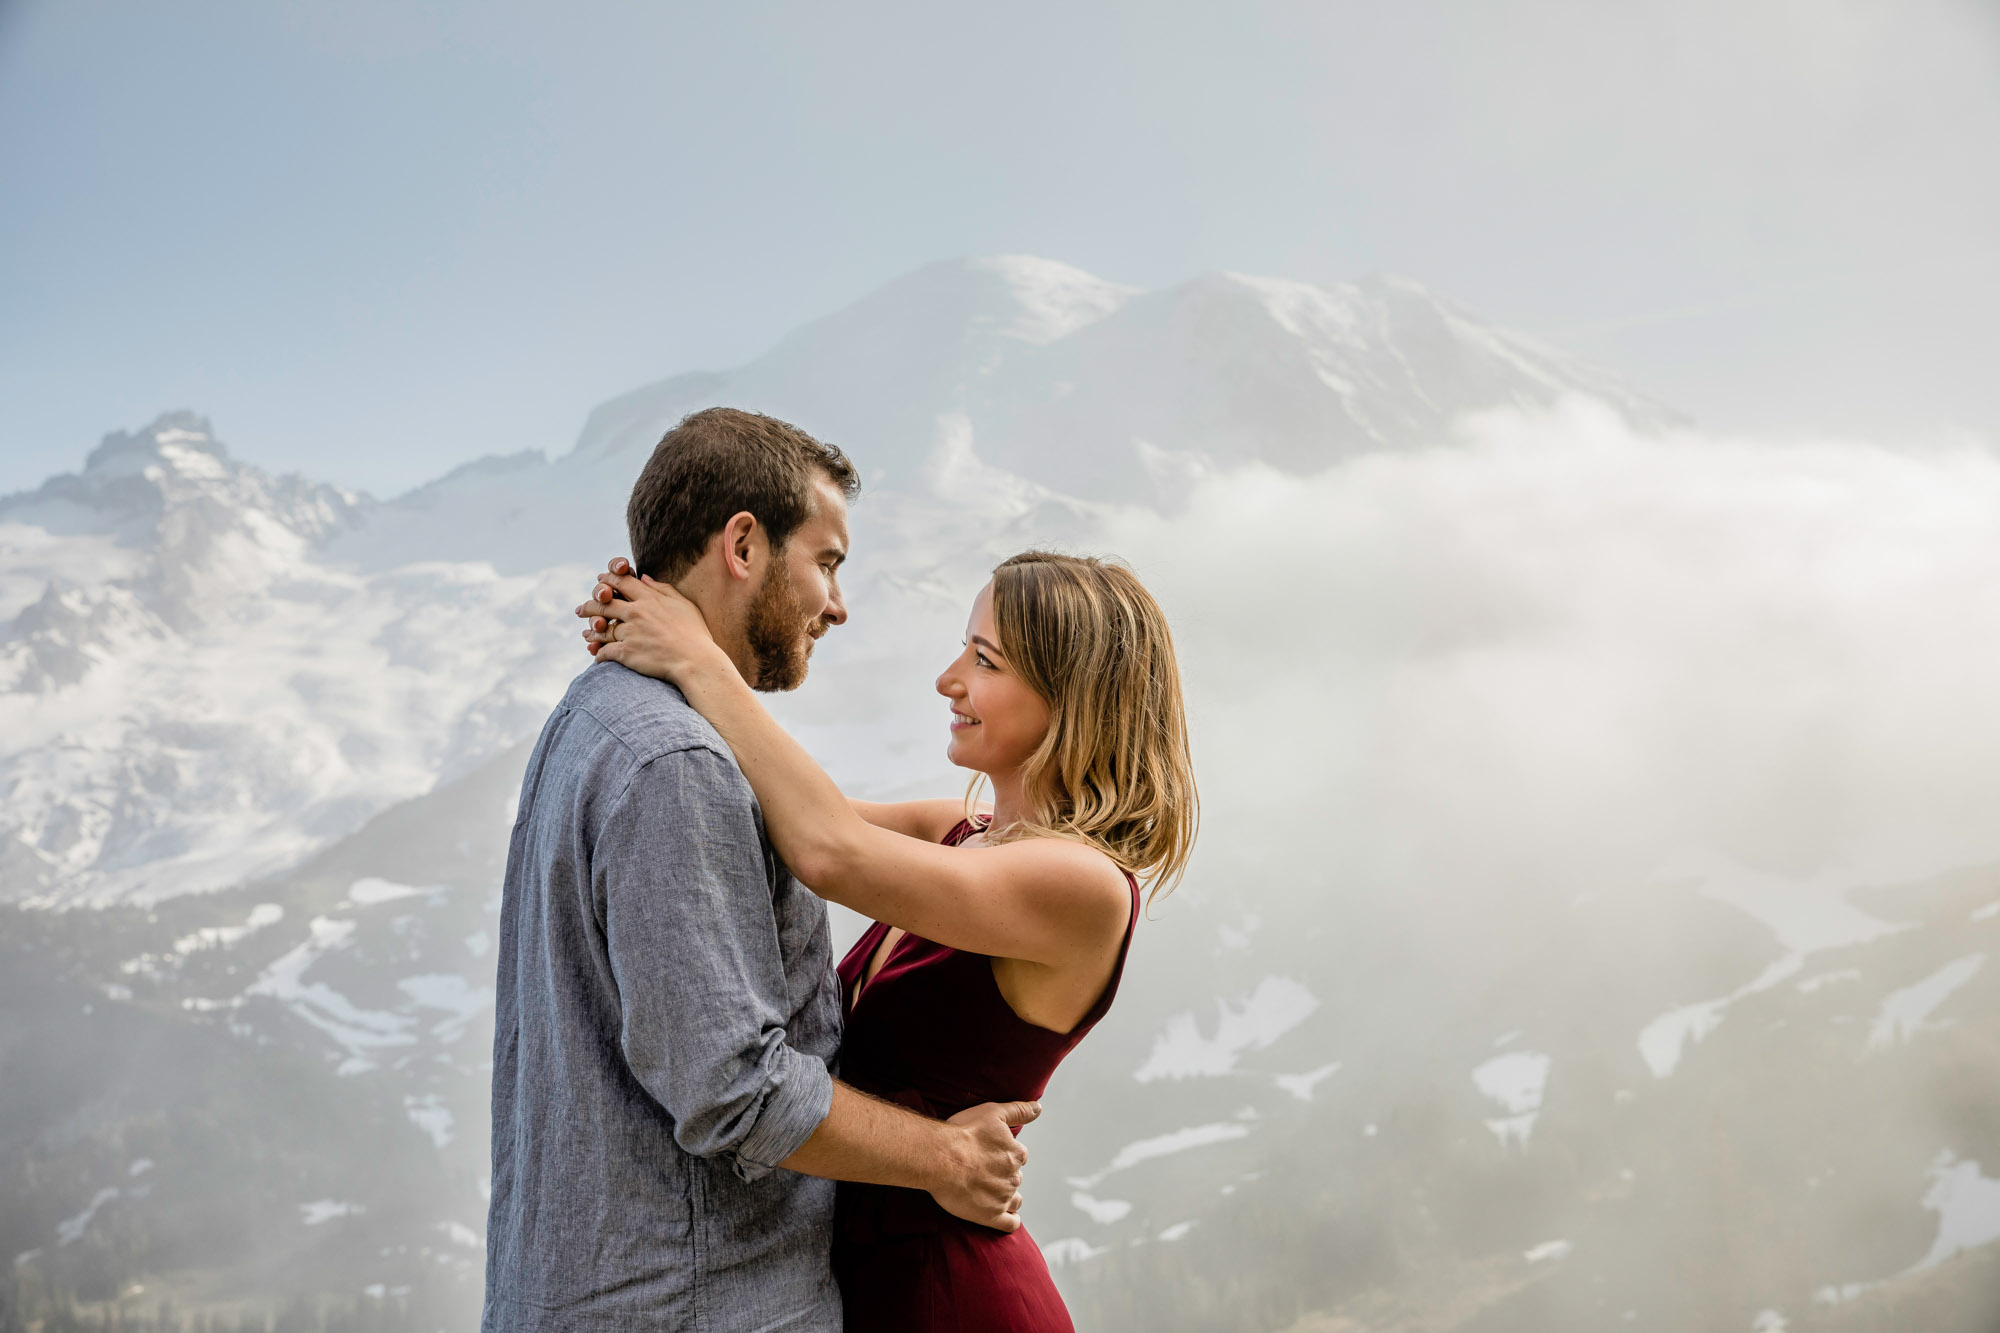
[{"x": 716, "y": 464}]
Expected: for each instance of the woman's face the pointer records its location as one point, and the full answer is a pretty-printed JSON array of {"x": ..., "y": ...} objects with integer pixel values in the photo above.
[{"x": 997, "y": 719}]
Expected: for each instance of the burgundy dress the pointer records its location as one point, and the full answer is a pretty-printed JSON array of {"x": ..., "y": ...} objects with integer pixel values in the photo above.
[{"x": 933, "y": 1032}]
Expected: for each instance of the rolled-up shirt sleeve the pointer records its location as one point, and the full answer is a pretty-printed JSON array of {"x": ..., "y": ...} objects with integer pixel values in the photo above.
[{"x": 680, "y": 873}]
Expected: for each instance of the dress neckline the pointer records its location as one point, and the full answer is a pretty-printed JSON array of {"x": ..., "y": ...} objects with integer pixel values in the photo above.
[
  {"x": 878, "y": 931},
  {"x": 959, "y": 832}
]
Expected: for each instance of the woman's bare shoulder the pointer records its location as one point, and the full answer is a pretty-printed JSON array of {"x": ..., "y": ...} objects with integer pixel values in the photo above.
[{"x": 1074, "y": 878}]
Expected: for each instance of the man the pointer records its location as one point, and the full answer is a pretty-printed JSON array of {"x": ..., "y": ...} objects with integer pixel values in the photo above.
[{"x": 666, "y": 1126}]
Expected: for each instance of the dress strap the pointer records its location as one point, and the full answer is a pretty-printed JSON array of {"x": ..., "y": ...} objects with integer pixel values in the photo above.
[{"x": 962, "y": 830}]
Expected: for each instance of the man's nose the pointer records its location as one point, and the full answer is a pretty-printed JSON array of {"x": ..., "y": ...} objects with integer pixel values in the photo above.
[{"x": 836, "y": 607}]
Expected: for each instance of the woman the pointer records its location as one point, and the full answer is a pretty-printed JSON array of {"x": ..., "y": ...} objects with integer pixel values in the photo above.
[{"x": 999, "y": 938}]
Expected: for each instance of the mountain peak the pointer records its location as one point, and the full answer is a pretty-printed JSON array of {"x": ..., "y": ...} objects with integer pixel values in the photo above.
[
  {"x": 165, "y": 515},
  {"x": 1076, "y": 382},
  {"x": 1021, "y": 298},
  {"x": 1052, "y": 299},
  {"x": 181, "y": 442},
  {"x": 133, "y": 479}
]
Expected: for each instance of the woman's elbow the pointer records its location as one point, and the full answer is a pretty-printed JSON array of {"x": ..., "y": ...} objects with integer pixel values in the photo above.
[{"x": 825, "y": 863}]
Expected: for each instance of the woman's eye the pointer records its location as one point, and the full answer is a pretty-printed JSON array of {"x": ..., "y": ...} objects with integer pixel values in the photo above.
[{"x": 981, "y": 659}]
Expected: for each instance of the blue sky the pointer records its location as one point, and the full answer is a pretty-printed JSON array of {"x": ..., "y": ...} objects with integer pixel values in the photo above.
[{"x": 375, "y": 239}]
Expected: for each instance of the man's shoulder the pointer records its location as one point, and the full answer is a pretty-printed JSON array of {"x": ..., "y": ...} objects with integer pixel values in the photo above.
[{"x": 648, "y": 718}]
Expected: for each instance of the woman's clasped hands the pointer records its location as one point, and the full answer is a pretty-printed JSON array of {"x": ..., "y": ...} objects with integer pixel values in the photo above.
[{"x": 647, "y": 625}]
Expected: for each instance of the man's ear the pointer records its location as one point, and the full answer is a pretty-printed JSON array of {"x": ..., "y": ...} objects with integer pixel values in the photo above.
[{"x": 743, "y": 545}]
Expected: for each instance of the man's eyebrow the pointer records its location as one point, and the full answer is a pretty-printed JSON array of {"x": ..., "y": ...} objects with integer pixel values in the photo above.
[{"x": 837, "y": 554}]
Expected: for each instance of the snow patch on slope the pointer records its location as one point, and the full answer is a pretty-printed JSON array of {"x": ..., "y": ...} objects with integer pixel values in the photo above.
[
  {"x": 1967, "y": 1203},
  {"x": 1662, "y": 1041},
  {"x": 1907, "y": 1012},
  {"x": 1254, "y": 1022},
  {"x": 362, "y": 1033},
  {"x": 1517, "y": 1081},
  {"x": 1166, "y": 1145}
]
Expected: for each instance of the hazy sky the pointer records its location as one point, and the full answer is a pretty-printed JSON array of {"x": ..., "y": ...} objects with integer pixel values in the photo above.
[{"x": 372, "y": 239}]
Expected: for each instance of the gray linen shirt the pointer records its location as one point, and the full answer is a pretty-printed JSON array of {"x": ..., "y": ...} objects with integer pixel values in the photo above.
[{"x": 665, "y": 1027}]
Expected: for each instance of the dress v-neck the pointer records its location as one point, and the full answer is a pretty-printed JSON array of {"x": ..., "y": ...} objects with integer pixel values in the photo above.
[{"x": 870, "y": 972}]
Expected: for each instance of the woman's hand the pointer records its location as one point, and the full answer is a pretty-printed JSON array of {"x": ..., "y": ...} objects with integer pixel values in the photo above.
[
  {"x": 648, "y": 627},
  {"x": 597, "y": 629}
]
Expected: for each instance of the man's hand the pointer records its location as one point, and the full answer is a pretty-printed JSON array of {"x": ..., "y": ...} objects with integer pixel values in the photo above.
[
  {"x": 982, "y": 1174},
  {"x": 970, "y": 1163}
]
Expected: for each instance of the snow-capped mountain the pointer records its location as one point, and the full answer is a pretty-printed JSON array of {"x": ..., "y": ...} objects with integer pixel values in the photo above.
[
  {"x": 239, "y": 672},
  {"x": 1592, "y": 925},
  {"x": 164, "y": 525},
  {"x": 196, "y": 696},
  {"x": 1040, "y": 371},
  {"x": 1118, "y": 391}
]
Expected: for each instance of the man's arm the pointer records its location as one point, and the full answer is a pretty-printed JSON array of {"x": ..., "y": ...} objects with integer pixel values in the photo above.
[
  {"x": 693, "y": 945},
  {"x": 683, "y": 889},
  {"x": 970, "y": 1163}
]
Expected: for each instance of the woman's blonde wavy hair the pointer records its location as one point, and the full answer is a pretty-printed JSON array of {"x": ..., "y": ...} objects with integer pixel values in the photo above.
[{"x": 1114, "y": 769}]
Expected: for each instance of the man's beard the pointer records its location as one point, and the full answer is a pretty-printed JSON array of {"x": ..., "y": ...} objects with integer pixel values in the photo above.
[{"x": 780, "y": 634}]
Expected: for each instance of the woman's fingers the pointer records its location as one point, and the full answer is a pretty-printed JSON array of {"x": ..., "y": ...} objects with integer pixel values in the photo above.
[
  {"x": 624, "y": 585},
  {"x": 606, "y": 609},
  {"x": 612, "y": 589},
  {"x": 602, "y": 603},
  {"x": 603, "y": 607}
]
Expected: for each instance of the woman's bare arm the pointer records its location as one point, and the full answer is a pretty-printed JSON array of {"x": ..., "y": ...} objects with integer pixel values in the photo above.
[
  {"x": 1042, "y": 900},
  {"x": 928, "y": 820}
]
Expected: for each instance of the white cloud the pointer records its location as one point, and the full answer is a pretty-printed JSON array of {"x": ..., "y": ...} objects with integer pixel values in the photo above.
[{"x": 1562, "y": 654}]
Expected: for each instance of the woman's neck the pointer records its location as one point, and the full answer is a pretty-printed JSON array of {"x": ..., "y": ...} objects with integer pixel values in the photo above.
[{"x": 1009, "y": 801}]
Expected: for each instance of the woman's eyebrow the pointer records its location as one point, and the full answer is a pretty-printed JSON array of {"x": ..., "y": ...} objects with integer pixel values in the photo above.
[{"x": 991, "y": 648}]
